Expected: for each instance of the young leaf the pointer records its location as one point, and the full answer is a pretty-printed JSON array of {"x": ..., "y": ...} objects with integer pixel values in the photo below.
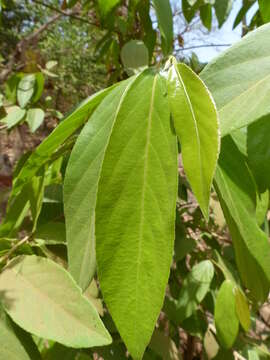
[
  {"x": 15, "y": 343},
  {"x": 194, "y": 289},
  {"x": 43, "y": 299},
  {"x": 25, "y": 90},
  {"x": 67, "y": 127},
  {"x": 34, "y": 118},
  {"x": 235, "y": 85},
  {"x": 80, "y": 187},
  {"x": 196, "y": 124},
  {"x": 14, "y": 116},
  {"x": 258, "y": 149},
  {"x": 165, "y": 23},
  {"x": 226, "y": 321},
  {"x": 237, "y": 196},
  {"x": 136, "y": 210}
]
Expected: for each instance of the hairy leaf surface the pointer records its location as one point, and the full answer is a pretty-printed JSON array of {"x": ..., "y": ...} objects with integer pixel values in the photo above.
[
  {"x": 196, "y": 125},
  {"x": 239, "y": 80},
  {"x": 237, "y": 195},
  {"x": 135, "y": 211},
  {"x": 80, "y": 188},
  {"x": 42, "y": 298}
]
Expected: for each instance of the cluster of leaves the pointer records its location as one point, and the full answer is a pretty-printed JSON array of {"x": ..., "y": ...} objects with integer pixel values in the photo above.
[
  {"x": 116, "y": 219},
  {"x": 23, "y": 92}
]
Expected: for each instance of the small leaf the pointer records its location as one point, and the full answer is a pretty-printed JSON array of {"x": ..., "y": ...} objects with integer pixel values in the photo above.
[
  {"x": 42, "y": 298},
  {"x": 25, "y": 90},
  {"x": 242, "y": 308},
  {"x": 206, "y": 15},
  {"x": 34, "y": 118},
  {"x": 51, "y": 64},
  {"x": 134, "y": 56},
  {"x": 194, "y": 289},
  {"x": 222, "y": 9},
  {"x": 14, "y": 116},
  {"x": 106, "y": 6},
  {"x": 226, "y": 320},
  {"x": 210, "y": 344},
  {"x": 165, "y": 23},
  {"x": 196, "y": 124},
  {"x": 39, "y": 87}
]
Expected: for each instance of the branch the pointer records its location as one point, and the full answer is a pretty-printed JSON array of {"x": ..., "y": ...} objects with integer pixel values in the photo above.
[
  {"x": 203, "y": 46},
  {"x": 64, "y": 13},
  {"x": 14, "y": 248},
  {"x": 23, "y": 43}
]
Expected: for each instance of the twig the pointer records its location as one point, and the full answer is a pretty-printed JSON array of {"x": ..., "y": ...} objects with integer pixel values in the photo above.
[
  {"x": 14, "y": 248},
  {"x": 64, "y": 13},
  {"x": 203, "y": 46}
]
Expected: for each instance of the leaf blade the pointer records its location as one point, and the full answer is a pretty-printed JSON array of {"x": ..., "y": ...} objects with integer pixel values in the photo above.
[
  {"x": 196, "y": 124},
  {"x": 40, "y": 296}
]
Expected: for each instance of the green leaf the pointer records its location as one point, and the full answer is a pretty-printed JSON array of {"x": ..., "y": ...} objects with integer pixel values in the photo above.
[
  {"x": 194, "y": 289},
  {"x": 164, "y": 346},
  {"x": 165, "y": 23},
  {"x": 80, "y": 187},
  {"x": 134, "y": 56},
  {"x": 258, "y": 148},
  {"x": 58, "y": 351},
  {"x": 206, "y": 15},
  {"x": 39, "y": 87},
  {"x": 196, "y": 125},
  {"x": 35, "y": 195},
  {"x": 14, "y": 116},
  {"x": 264, "y": 6},
  {"x": 242, "y": 309},
  {"x": 237, "y": 195},
  {"x": 26, "y": 89},
  {"x": 136, "y": 210},
  {"x": 226, "y": 321},
  {"x": 222, "y": 9},
  {"x": 188, "y": 10},
  {"x": 15, "y": 343},
  {"x": 35, "y": 118},
  {"x": 241, "y": 94},
  {"x": 52, "y": 233},
  {"x": 11, "y": 87},
  {"x": 67, "y": 127},
  {"x": 42, "y": 298},
  {"x": 106, "y": 6},
  {"x": 262, "y": 207}
]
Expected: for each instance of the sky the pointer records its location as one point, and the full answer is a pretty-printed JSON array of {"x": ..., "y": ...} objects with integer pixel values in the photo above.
[{"x": 225, "y": 35}]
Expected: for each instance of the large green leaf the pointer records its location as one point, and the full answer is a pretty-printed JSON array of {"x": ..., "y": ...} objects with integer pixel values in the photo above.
[
  {"x": 67, "y": 127},
  {"x": 165, "y": 23},
  {"x": 15, "y": 343},
  {"x": 239, "y": 80},
  {"x": 237, "y": 195},
  {"x": 42, "y": 298},
  {"x": 134, "y": 56},
  {"x": 226, "y": 321},
  {"x": 136, "y": 210},
  {"x": 196, "y": 125},
  {"x": 81, "y": 181},
  {"x": 258, "y": 148}
]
